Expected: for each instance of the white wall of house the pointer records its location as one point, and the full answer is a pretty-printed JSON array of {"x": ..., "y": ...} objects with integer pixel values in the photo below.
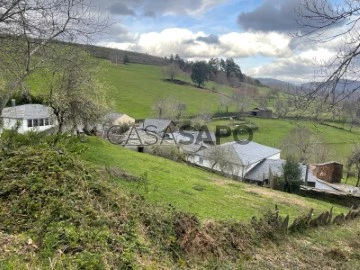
[
  {"x": 10, "y": 123},
  {"x": 276, "y": 156}
]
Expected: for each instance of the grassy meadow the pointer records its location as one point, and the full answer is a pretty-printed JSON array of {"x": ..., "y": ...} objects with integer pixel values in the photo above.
[
  {"x": 193, "y": 190},
  {"x": 272, "y": 132},
  {"x": 135, "y": 88}
]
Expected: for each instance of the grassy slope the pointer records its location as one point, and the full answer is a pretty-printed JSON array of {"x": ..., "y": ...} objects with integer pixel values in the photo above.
[
  {"x": 273, "y": 131},
  {"x": 135, "y": 88},
  {"x": 193, "y": 190}
]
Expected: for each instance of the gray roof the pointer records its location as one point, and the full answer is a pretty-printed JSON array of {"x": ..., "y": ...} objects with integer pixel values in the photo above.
[
  {"x": 155, "y": 125},
  {"x": 262, "y": 170},
  {"x": 197, "y": 136},
  {"x": 242, "y": 154},
  {"x": 138, "y": 137},
  {"x": 193, "y": 148},
  {"x": 27, "y": 111}
]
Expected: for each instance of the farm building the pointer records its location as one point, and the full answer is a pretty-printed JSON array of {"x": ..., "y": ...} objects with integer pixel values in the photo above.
[
  {"x": 119, "y": 119},
  {"x": 330, "y": 172},
  {"x": 28, "y": 117},
  {"x": 234, "y": 159},
  {"x": 262, "y": 113},
  {"x": 267, "y": 168}
]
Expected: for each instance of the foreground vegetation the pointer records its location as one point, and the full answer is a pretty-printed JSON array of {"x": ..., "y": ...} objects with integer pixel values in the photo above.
[{"x": 57, "y": 212}]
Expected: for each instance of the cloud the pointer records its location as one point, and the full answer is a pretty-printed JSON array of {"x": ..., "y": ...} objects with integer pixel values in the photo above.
[
  {"x": 156, "y": 7},
  {"x": 150, "y": 13},
  {"x": 271, "y": 17},
  {"x": 211, "y": 39},
  {"x": 296, "y": 67},
  {"x": 120, "y": 8},
  {"x": 190, "y": 44},
  {"x": 250, "y": 44}
]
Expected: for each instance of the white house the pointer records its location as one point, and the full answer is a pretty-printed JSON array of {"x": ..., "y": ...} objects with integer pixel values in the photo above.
[
  {"x": 233, "y": 158},
  {"x": 28, "y": 117}
]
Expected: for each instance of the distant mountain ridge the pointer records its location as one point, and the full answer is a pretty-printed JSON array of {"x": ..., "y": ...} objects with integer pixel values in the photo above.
[
  {"x": 341, "y": 87},
  {"x": 274, "y": 83},
  {"x": 117, "y": 55}
]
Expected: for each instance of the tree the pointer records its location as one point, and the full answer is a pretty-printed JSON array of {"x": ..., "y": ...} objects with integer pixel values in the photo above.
[
  {"x": 74, "y": 94},
  {"x": 226, "y": 102},
  {"x": 200, "y": 73},
  {"x": 323, "y": 22},
  {"x": 304, "y": 146},
  {"x": 292, "y": 176},
  {"x": 200, "y": 120},
  {"x": 233, "y": 72},
  {"x": 169, "y": 108},
  {"x": 354, "y": 161},
  {"x": 171, "y": 71},
  {"x": 351, "y": 111},
  {"x": 282, "y": 106},
  {"x": 27, "y": 28},
  {"x": 214, "y": 67},
  {"x": 219, "y": 157},
  {"x": 240, "y": 100},
  {"x": 126, "y": 59}
]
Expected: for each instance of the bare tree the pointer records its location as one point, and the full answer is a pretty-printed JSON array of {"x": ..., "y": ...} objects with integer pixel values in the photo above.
[
  {"x": 282, "y": 106},
  {"x": 226, "y": 102},
  {"x": 169, "y": 108},
  {"x": 240, "y": 100},
  {"x": 28, "y": 27},
  {"x": 322, "y": 21},
  {"x": 304, "y": 146},
  {"x": 171, "y": 71},
  {"x": 76, "y": 97},
  {"x": 351, "y": 111},
  {"x": 354, "y": 161},
  {"x": 200, "y": 120},
  {"x": 220, "y": 157}
]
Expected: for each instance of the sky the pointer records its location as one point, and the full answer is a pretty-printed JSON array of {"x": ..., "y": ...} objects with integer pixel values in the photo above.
[{"x": 257, "y": 34}]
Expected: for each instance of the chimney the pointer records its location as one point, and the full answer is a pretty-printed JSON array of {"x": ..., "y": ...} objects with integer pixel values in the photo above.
[{"x": 13, "y": 102}]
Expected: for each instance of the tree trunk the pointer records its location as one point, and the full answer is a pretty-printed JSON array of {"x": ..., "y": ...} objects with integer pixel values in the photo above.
[{"x": 358, "y": 179}]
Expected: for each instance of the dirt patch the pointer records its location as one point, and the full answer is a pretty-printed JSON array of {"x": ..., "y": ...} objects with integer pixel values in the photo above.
[{"x": 219, "y": 181}]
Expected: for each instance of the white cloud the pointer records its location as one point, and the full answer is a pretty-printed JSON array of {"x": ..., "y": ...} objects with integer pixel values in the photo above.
[
  {"x": 250, "y": 43},
  {"x": 296, "y": 67},
  {"x": 185, "y": 43},
  {"x": 293, "y": 59}
]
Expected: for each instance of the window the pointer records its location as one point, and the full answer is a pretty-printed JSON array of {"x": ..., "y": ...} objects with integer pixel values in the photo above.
[
  {"x": 41, "y": 122},
  {"x": 29, "y": 123},
  {"x": 35, "y": 123},
  {"x": 47, "y": 122}
]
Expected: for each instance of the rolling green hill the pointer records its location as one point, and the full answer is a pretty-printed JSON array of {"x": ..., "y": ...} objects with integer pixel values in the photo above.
[{"x": 134, "y": 89}]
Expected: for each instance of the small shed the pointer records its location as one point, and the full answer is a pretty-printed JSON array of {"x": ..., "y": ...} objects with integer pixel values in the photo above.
[
  {"x": 119, "y": 119},
  {"x": 330, "y": 172},
  {"x": 262, "y": 113}
]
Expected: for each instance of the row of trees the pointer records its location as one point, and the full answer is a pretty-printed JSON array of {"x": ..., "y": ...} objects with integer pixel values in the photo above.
[{"x": 218, "y": 70}]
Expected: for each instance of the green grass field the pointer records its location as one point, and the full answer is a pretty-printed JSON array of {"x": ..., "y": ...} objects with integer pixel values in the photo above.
[
  {"x": 134, "y": 89},
  {"x": 196, "y": 191},
  {"x": 272, "y": 132}
]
